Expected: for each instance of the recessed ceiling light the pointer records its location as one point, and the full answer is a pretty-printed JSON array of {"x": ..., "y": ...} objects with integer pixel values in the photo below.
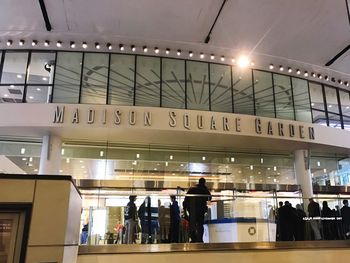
[
  {"x": 133, "y": 48},
  {"x": 121, "y": 47},
  {"x": 156, "y": 50},
  {"x": 31, "y": 97},
  {"x": 243, "y": 61},
  {"x": 340, "y": 81},
  {"x": 38, "y": 89},
  {"x": 281, "y": 68},
  {"x": 298, "y": 71},
  {"x": 34, "y": 43},
  {"x": 47, "y": 43},
  {"x": 222, "y": 58},
  {"x": 72, "y": 44},
  {"x": 84, "y": 45},
  {"x": 97, "y": 45},
  {"x": 19, "y": 76},
  {"x": 326, "y": 78},
  {"x": 313, "y": 74},
  {"x": 171, "y": 157},
  {"x": 178, "y": 52},
  {"x": 167, "y": 51},
  {"x": 9, "y": 43},
  {"x": 201, "y": 55},
  {"x": 319, "y": 76},
  {"x": 271, "y": 66},
  {"x": 44, "y": 78},
  {"x": 290, "y": 70},
  {"x": 23, "y": 150},
  {"x": 306, "y": 74},
  {"x": 109, "y": 46},
  {"x": 145, "y": 49},
  {"x": 212, "y": 56},
  {"x": 21, "y": 42},
  {"x": 59, "y": 44},
  {"x": 6, "y": 95},
  {"x": 12, "y": 86},
  {"x": 190, "y": 54}
]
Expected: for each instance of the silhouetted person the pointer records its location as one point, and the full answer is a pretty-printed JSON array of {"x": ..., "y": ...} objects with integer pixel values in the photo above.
[
  {"x": 130, "y": 220},
  {"x": 195, "y": 204},
  {"x": 287, "y": 217},
  {"x": 278, "y": 234},
  {"x": 345, "y": 214},
  {"x": 174, "y": 220},
  {"x": 314, "y": 211},
  {"x": 326, "y": 215},
  {"x": 300, "y": 226}
]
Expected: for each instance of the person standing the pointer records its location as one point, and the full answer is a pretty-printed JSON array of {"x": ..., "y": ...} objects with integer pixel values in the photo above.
[
  {"x": 300, "y": 228},
  {"x": 174, "y": 220},
  {"x": 314, "y": 211},
  {"x": 130, "y": 220},
  {"x": 195, "y": 204},
  {"x": 345, "y": 214}
]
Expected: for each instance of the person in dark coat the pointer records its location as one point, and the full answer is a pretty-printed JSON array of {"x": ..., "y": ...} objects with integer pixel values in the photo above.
[
  {"x": 287, "y": 219},
  {"x": 345, "y": 214},
  {"x": 174, "y": 220},
  {"x": 326, "y": 215},
  {"x": 313, "y": 209},
  {"x": 195, "y": 204},
  {"x": 300, "y": 230}
]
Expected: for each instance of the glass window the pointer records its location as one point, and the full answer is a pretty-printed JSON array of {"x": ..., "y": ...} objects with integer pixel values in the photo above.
[
  {"x": 334, "y": 120},
  {"x": 41, "y": 68},
  {"x": 11, "y": 94},
  {"x": 147, "y": 81},
  {"x": 243, "y": 99},
  {"x": 301, "y": 100},
  {"x": 38, "y": 94},
  {"x": 197, "y": 86},
  {"x": 319, "y": 117},
  {"x": 14, "y": 68},
  {"x": 346, "y": 122},
  {"x": 121, "y": 80},
  {"x": 67, "y": 77},
  {"x": 345, "y": 102},
  {"x": 173, "y": 83},
  {"x": 331, "y": 99},
  {"x": 283, "y": 97},
  {"x": 316, "y": 96},
  {"x": 263, "y": 88},
  {"x": 220, "y": 88},
  {"x": 94, "y": 83}
]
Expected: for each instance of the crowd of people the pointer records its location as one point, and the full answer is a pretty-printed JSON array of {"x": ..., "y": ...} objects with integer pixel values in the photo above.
[{"x": 318, "y": 223}]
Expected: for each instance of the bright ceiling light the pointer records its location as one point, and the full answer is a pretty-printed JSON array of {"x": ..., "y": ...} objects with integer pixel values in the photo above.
[
  {"x": 243, "y": 61},
  {"x": 133, "y": 48},
  {"x": 313, "y": 74},
  {"x": 178, "y": 52},
  {"x": 201, "y": 55},
  {"x": 47, "y": 43},
  {"x": 212, "y": 56},
  {"x": 156, "y": 50},
  {"x": 326, "y": 78},
  {"x": 298, "y": 71},
  {"x": 145, "y": 49},
  {"x": 271, "y": 66},
  {"x": 306, "y": 74},
  {"x": 97, "y": 45},
  {"x": 190, "y": 54},
  {"x": 109, "y": 46},
  {"x": 59, "y": 44},
  {"x": 167, "y": 51},
  {"x": 222, "y": 58},
  {"x": 21, "y": 42},
  {"x": 290, "y": 70},
  {"x": 233, "y": 60},
  {"x": 319, "y": 76},
  {"x": 84, "y": 45},
  {"x": 9, "y": 43},
  {"x": 281, "y": 68},
  {"x": 72, "y": 44},
  {"x": 121, "y": 47},
  {"x": 34, "y": 43}
]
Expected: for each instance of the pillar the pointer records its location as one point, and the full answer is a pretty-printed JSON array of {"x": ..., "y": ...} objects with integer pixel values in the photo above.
[
  {"x": 303, "y": 173},
  {"x": 50, "y": 158}
]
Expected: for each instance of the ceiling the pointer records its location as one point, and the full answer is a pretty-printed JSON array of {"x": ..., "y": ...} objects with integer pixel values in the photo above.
[{"x": 301, "y": 33}]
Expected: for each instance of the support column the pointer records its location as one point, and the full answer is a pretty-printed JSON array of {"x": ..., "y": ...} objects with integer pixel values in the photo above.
[
  {"x": 303, "y": 173},
  {"x": 50, "y": 158}
]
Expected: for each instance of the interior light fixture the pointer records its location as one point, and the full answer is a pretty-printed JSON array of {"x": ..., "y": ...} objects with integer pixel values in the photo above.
[
  {"x": 233, "y": 60},
  {"x": 275, "y": 168},
  {"x": 145, "y": 49},
  {"x": 222, "y": 58},
  {"x": 59, "y": 43},
  {"x": 34, "y": 43},
  {"x": 346, "y": 83},
  {"x": 137, "y": 155},
  {"x": 21, "y": 42},
  {"x": 167, "y": 51},
  {"x": 47, "y": 43},
  {"x": 261, "y": 160},
  {"x": 312, "y": 104},
  {"x": 166, "y": 163},
  {"x": 201, "y": 55},
  {"x": 9, "y": 43},
  {"x": 326, "y": 78},
  {"x": 62, "y": 151},
  {"x": 72, "y": 44},
  {"x": 156, "y": 50},
  {"x": 281, "y": 68},
  {"x": 84, "y": 45},
  {"x": 44, "y": 78},
  {"x": 133, "y": 48},
  {"x": 232, "y": 159},
  {"x": 340, "y": 81},
  {"x": 212, "y": 56},
  {"x": 23, "y": 150},
  {"x": 121, "y": 47},
  {"x": 243, "y": 61},
  {"x": 271, "y": 66},
  {"x": 171, "y": 157},
  {"x": 97, "y": 45},
  {"x": 67, "y": 160},
  {"x": 178, "y": 52},
  {"x": 251, "y": 167},
  {"x": 101, "y": 153},
  {"x": 313, "y": 74},
  {"x": 298, "y": 71},
  {"x": 38, "y": 89},
  {"x": 306, "y": 74},
  {"x": 203, "y": 158},
  {"x": 190, "y": 54},
  {"x": 290, "y": 70},
  {"x": 319, "y": 76},
  {"x": 109, "y": 46},
  {"x": 19, "y": 76}
]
